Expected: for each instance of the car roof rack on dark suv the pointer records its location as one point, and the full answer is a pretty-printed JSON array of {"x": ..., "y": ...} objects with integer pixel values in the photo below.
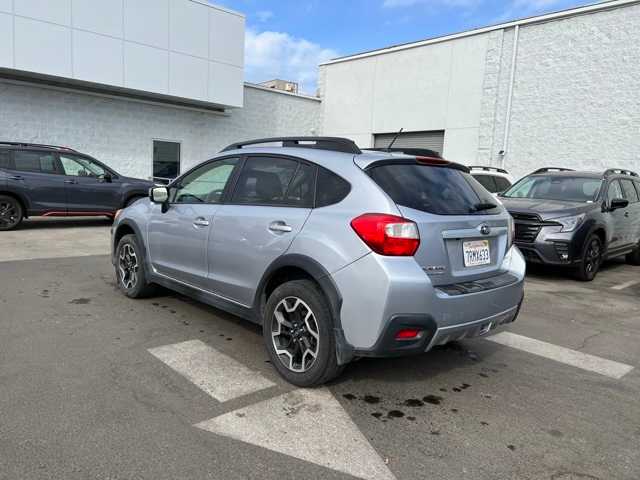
[
  {"x": 335, "y": 144},
  {"x": 553, "y": 169},
  {"x": 619, "y": 171},
  {"x": 487, "y": 169},
  {"x": 418, "y": 152},
  {"x": 39, "y": 145}
]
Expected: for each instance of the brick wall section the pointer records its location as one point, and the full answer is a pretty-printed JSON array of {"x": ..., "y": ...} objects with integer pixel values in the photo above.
[
  {"x": 490, "y": 95},
  {"x": 576, "y": 100},
  {"x": 121, "y": 132}
]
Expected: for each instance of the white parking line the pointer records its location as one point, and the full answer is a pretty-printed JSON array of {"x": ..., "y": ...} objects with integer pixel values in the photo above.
[
  {"x": 214, "y": 372},
  {"x": 622, "y": 286},
  {"x": 310, "y": 425},
  {"x": 567, "y": 356}
]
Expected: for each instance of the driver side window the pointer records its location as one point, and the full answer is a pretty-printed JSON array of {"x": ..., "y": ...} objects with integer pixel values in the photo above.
[
  {"x": 80, "y": 167},
  {"x": 205, "y": 184},
  {"x": 615, "y": 191}
]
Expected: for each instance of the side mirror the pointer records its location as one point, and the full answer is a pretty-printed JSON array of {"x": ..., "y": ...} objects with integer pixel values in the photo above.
[
  {"x": 106, "y": 177},
  {"x": 617, "y": 203},
  {"x": 159, "y": 195}
]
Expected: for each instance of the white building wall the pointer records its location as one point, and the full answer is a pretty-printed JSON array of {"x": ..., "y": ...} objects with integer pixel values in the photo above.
[
  {"x": 434, "y": 87},
  {"x": 181, "y": 48},
  {"x": 576, "y": 100},
  {"x": 120, "y": 132}
]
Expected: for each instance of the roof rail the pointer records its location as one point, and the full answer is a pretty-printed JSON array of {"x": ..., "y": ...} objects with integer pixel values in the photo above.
[
  {"x": 619, "y": 171},
  {"x": 335, "y": 144},
  {"x": 487, "y": 169},
  {"x": 41, "y": 145},
  {"x": 419, "y": 152},
  {"x": 553, "y": 169}
]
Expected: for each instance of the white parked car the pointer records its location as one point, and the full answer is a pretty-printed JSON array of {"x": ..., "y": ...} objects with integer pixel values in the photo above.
[{"x": 494, "y": 179}]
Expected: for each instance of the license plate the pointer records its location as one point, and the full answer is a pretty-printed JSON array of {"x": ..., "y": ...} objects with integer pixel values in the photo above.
[{"x": 476, "y": 253}]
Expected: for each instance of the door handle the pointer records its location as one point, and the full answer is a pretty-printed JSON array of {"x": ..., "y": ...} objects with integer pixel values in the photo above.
[
  {"x": 626, "y": 214},
  {"x": 71, "y": 182},
  {"x": 200, "y": 222},
  {"x": 280, "y": 226},
  {"x": 16, "y": 177}
]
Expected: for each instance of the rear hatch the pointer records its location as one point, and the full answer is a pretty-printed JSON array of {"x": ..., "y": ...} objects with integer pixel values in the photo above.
[{"x": 463, "y": 229}]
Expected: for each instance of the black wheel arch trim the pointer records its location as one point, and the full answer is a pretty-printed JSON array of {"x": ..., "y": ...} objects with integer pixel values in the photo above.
[
  {"x": 136, "y": 230},
  {"x": 581, "y": 236},
  {"x": 23, "y": 199},
  {"x": 344, "y": 350}
]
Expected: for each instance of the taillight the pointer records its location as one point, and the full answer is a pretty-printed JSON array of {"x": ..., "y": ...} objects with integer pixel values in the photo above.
[
  {"x": 387, "y": 234},
  {"x": 511, "y": 233}
]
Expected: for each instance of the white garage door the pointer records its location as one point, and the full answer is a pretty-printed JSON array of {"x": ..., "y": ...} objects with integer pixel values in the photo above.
[{"x": 433, "y": 140}]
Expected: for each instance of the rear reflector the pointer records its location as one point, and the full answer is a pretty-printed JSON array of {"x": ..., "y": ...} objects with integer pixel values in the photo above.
[
  {"x": 409, "y": 334},
  {"x": 387, "y": 234}
]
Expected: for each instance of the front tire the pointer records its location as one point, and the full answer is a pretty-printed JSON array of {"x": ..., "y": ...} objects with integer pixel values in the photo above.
[
  {"x": 131, "y": 274},
  {"x": 11, "y": 213},
  {"x": 298, "y": 334},
  {"x": 592, "y": 256}
]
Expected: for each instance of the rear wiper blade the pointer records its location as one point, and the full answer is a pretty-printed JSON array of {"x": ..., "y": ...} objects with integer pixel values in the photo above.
[{"x": 479, "y": 207}]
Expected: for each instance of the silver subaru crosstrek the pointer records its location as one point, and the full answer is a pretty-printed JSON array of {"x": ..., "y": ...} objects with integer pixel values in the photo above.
[{"x": 338, "y": 253}]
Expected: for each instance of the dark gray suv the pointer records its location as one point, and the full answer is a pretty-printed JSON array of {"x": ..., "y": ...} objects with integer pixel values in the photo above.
[
  {"x": 45, "y": 180},
  {"x": 576, "y": 219}
]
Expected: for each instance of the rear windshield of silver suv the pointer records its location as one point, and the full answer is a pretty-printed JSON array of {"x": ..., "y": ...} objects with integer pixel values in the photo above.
[{"x": 434, "y": 189}]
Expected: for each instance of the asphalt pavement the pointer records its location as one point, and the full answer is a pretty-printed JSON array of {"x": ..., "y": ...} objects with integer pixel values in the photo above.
[{"x": 94, "y": 385}]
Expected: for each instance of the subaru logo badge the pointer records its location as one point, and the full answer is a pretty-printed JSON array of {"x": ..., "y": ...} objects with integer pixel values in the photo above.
[{"x": 485, "y": 230}]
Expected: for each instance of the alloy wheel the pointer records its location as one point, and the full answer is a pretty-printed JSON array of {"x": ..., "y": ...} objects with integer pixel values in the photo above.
[
  {"x": 9, "y": 214},
  {"x": 295, "y": 334},
  {"x": 128, "y": 266},
  {"x": 593, "y": 256}
]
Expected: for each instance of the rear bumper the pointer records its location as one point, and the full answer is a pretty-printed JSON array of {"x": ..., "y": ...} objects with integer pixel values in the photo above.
[{"x": 381, "y": 295}]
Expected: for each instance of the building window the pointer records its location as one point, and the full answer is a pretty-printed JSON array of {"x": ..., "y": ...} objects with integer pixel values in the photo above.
[{"x": 166, "y": 161}]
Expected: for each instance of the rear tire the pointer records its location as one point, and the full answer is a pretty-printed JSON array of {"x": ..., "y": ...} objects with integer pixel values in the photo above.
[
  {"x": 11, "y": 213},
  {"x": 131, "y": 274},
  {"x": 298, "y": 334},
  {"x": 633, "y": 258},
  {"x": 592, "y": 256}
]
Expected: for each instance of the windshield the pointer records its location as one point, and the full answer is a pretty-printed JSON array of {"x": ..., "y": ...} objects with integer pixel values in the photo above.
[
  {"x": 554, "y": 187},
  {"x": 443, "y": 191}
]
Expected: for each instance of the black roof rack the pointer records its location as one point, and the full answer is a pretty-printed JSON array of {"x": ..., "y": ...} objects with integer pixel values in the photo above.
[
  {"x": 553, "y": 169},
  {"x": 39, "y": 145},
  {"x": 619, "y": 171},
  {"x": 335, "y": 144},
  {"x": 487, "y": 169},
  {"x": 420, "y": 152}
]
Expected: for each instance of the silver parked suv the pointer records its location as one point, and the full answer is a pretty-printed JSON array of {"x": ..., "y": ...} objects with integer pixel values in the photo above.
[{"x": 338, "y": 253}]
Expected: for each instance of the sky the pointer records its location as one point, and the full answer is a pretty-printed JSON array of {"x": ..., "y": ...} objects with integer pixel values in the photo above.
[{"x": 288, "y": 38}]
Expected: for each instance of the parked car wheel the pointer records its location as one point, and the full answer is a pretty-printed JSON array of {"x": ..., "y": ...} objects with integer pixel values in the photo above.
[
  {"x": 633, "y": 258},
  {"x": 131, "y": 272},
  {"x": 592, "y": 256},
  {"x": 11, "y": 213},
  {"x": 298, "y": 333}
]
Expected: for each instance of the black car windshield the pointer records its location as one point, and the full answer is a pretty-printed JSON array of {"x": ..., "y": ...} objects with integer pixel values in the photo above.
[{"x": 555, "y": 187}]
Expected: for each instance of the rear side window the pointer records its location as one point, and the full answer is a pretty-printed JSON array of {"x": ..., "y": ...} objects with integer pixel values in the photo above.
[
  {"x": 487, "y": 181},
  {"x": 502, "y": 184},
  {"x": 629, "y": 191},
  {"x": 301, "y": 189},
  {"x": 40, "y": 162},
  {"x": 5, "y": 159},
  {"x": 438, "y": 190},
  {"x": 265, "y": 181},
  {"x": 331, "y": 188}
]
